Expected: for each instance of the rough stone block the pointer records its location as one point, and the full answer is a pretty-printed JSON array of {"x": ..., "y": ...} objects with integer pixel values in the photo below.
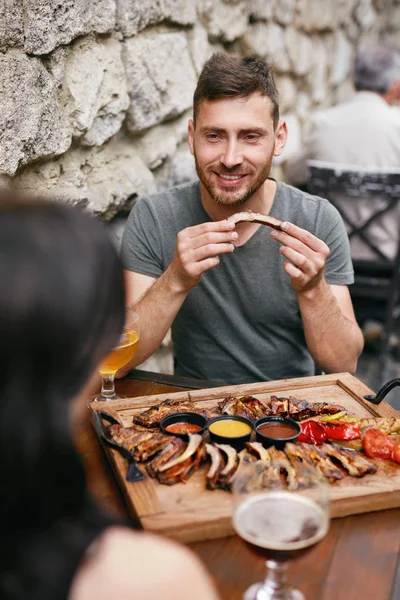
[
  {"x": 285, "y": 11},
  {"x": 262, "y": 10},
  {"x": 200, "y": 49},
  {"x": 287, "y": 93},
  {"x": 105, "y": 180},
  {"x": 161, "y": 78},
  {"x": 268, "y": 41},
  {"x": 32, "y": 125},
  {"x": 135, "y": 15},
  {"x": 162, "y": 141},
  {"x": 343, "y": 59},
  {"x": 224, "y": 22},
  {"x": 180, "y": 168},
  {"x": 318, "y": 77},
  {"x": 365, "y": 14},
  {"x": 300, "y": 50},
  {"x": 94, "y": 92},
  {"x": 293, "y": 144},
  {"x": 317, "y": 15},
  {"x": 11, "y": 24},
  {"x": 49, "y": 23}
]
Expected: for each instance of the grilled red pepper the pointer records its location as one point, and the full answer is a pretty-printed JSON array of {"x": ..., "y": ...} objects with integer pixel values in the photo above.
[
  {"x": 312, "y": 433},
  {"x": 336, "y": 430}
]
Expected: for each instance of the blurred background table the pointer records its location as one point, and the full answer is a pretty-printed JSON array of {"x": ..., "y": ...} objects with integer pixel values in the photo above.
[{"x": 358, "y": 560}]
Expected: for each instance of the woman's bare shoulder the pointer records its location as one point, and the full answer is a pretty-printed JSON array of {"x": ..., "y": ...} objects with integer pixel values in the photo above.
[{"x": 127, "y": 564}]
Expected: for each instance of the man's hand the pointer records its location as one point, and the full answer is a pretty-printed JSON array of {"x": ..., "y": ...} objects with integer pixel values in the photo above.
[
  {"x": 306, "y": 254},
  {"x": 197, "y": 250}
]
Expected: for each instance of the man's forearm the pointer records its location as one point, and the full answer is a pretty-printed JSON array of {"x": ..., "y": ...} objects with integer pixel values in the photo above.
[
  {"x": 334, "y": 341},
  {"x": 157, "y": 309}
]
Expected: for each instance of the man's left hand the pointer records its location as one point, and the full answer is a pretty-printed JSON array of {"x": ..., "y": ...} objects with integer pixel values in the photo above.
[{"x": 306, "y": 256}]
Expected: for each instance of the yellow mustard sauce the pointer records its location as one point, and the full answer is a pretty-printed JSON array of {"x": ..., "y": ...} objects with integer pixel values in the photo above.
[{"x": 230, "y": 428}]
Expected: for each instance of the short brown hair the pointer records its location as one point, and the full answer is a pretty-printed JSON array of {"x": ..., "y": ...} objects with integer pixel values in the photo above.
[{"x": 225, "y": 75}]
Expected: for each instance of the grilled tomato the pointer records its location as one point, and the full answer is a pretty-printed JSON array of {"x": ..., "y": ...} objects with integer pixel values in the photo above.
[{"x": 378, "y": 444}]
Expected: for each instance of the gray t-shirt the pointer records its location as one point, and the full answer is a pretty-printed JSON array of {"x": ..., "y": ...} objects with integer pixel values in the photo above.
[{"x": 242, "y": 322}]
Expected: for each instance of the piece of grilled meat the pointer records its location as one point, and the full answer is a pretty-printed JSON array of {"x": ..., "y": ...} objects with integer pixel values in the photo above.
[
  {"x": 247, "y": 216},
  {"x": 322, "y": 461},
  {"x": 141, "y": 442},
  {"x": 180, "y": 465},
  {"x": 152, "y": 416},
  {"x": 244, "y": 406},
  {"x": 301, "y": 409},
  {"x": 355, "y": 464},
  {"x": 253, "y": 409},
  {"x": 175, "y": 447}
]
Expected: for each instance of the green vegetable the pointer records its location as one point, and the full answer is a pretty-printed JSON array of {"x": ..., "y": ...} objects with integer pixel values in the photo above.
[{"x": 336, "y": 417}]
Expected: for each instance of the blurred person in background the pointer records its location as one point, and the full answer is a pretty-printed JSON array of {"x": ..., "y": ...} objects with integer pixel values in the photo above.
[
  {"x": 245, "y": 303},
  {"x": 362, "y": 132},
  {"x": 61, "y": 312}
]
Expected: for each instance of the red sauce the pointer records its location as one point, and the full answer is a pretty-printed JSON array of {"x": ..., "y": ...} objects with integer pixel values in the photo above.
[
  {"x": 183, "y": 428},
  {"x": 277, "y": 430}
]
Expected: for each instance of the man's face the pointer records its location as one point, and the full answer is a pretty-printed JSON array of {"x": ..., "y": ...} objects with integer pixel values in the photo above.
[{"x": 233, "y": 144}]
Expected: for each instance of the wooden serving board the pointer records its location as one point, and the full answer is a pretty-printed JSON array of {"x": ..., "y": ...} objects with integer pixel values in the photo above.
[{"x": 189, "y": 512}]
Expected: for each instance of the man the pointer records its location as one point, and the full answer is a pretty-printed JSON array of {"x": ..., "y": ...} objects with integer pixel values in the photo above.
[
  {"x": 362, "y": 133},
  {"x": 245, "y": 303}
]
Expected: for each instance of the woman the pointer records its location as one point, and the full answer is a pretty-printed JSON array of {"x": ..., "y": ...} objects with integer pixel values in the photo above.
[{"x": 61, "y": 312}]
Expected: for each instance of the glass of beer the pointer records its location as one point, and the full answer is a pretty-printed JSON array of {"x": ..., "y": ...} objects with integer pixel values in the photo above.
[
  {"x": 279, "y": 522},
  {"x": 120, "y": 356}
]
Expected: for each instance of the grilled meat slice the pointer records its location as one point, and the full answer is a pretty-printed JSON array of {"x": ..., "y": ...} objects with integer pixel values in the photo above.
[
  {"x": 174, "y": 448},
  {"x": 355, "y": 464},
  {"x": 301, "y": 409},
  {"x": 124, "y": 435},
  {"x": 181, "y": 471},
  {"x": 280, "y": 461},
  {"x": 217, "y": 464},
  {"x": 302, "y": 464},
  {"x": 244, "y": 458},
  {"x": 153, "y": 415},
  {"x": 230, "y": 465},
  {"x": 194, "y": 442},
  {"x": 244, "y": 406},
  {"x": 150, "y": 447},
  {"x": 279, "y": 406},
  {"x": 255, "y": 217},
  {"x": 258, "y": 450},
  {"x": 322, "y": 461}
]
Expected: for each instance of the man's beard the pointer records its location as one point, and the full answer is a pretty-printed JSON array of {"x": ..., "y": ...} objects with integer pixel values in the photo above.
[{"x": 225, "y": 197}]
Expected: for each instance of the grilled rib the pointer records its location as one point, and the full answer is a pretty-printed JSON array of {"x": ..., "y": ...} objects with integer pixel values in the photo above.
[
  {"x": 194, "y": 442},
  {"x": 217, "y": 464},
  {"x": 255, "y": 217},
  {"x": 230, "y": 465},
  {"x": 258, "y": 449},
  {"x": 181, "y": 471},
  {"x": 322, "y": 461},
  {"x": 174, "y": 448},
  {"x": 280, "y": 461},
  {"x": 153, "y": 415},
  {"x": 244, "y": 406},
  {"x": 351, "y": 460}
]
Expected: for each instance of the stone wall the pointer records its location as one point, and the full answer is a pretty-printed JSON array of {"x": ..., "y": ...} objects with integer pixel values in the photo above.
[{"x": 95, "y": 94}]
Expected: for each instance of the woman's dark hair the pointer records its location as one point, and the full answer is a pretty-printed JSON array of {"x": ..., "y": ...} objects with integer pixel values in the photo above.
[
  {"x": 227, "y": 75},
  {"x": 61, "y": 311}
]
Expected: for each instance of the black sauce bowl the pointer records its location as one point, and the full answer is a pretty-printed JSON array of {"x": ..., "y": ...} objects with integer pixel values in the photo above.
[
  {"x": 183, "y": 417},
  {"x": 279, "y": 443},
  {"x": 237, "y": 442}
]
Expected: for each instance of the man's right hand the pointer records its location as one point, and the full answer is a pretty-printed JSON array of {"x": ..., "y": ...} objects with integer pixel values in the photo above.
[{"x": 198, "y": 249}]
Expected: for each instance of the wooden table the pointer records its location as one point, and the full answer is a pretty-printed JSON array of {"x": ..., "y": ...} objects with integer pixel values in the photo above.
[{"x": 358, "y": 560}]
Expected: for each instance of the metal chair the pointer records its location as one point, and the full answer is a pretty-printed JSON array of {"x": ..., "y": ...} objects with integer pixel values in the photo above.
[{"x": 377, "y": 277}]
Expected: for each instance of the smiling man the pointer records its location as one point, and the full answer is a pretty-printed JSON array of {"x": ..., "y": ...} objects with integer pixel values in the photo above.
[{"x": 245, "y": 303}]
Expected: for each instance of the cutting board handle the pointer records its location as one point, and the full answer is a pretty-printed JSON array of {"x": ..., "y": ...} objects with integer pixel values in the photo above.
[{"x": 385, "y": 389}]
